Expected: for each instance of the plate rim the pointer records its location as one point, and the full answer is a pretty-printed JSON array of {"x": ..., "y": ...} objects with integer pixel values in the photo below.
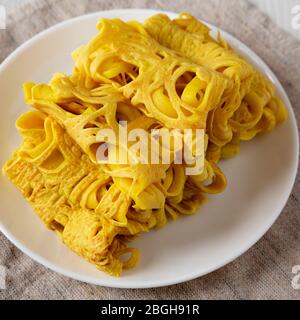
[{"x": 188, "y": 276}]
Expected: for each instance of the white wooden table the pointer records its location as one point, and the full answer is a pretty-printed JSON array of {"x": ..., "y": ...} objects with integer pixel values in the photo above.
[{"x": 278, "y": 10}]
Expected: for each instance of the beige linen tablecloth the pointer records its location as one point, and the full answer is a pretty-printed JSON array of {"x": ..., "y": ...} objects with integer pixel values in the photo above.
[{"x": 265, "y": 271}]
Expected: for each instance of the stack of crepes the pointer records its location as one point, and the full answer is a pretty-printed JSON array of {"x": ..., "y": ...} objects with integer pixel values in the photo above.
[{"x": 160, "y": 74}]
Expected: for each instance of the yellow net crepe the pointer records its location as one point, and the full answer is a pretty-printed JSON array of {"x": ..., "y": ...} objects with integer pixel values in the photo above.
[
  {"x": 163, "y": 74},
  {"x": 250, "y": 108}
]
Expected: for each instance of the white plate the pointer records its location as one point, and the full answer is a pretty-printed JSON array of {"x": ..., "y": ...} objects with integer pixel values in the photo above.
[{"x": 260, "y": 179}]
